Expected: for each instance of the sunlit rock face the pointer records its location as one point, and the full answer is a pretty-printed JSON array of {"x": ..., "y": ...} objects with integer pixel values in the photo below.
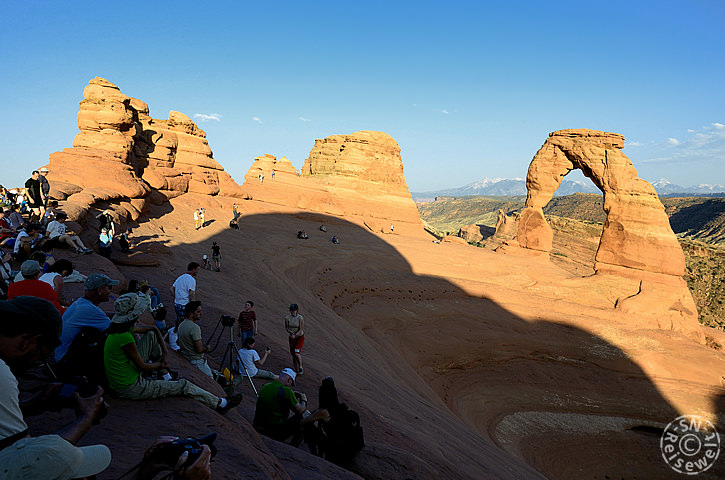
[{"x": 637, "y": 239}]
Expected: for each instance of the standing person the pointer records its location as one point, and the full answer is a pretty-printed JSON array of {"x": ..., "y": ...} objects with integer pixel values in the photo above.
[
  {"x": 104, "y": 243},
  {"x": 202, "y": 221},
  {"x": 190, "y": 345},
  {"x": 106, "y": 221},
  {"x": 252, "y": 361},
  {"x": 261, "y": 178},
  {"x": 247, "y": 326},
  {"x": 184, "y": 291},
  {"x": 196, "y": 219},
  {"x": 295, "y": 325},
  {"x": 216, "y": 256},
  {"x": 235, "y": 211},
  {"x": 28, "y": 332},
  {"x": 44, "y": 185},
  {"x": 35, "y": 196}
]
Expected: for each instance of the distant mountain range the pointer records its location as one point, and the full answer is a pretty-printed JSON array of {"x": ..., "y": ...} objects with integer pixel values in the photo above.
[{"x": 517, "y": 186}]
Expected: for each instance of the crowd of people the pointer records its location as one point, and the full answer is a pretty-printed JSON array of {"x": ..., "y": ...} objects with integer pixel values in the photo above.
[{"x": 115, "y": 354}]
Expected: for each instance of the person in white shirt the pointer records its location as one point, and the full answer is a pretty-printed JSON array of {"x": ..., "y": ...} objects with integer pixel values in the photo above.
[
  {"x": 183, "y": 290},
  {"x": 251, "y": 360},
  {"x": 54, "y": 278},
  {"x": 57, "y": 230}
]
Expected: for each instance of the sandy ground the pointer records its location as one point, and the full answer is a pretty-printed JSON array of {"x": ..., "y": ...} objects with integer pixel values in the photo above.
[{"x": 463, "y": 363}]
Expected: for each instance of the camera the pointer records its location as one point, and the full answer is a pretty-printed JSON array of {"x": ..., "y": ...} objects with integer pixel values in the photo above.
[
  {"x": 227, "y": 320},
  {"x": 84, "y": 388},
  {"x": 169, "y": 453}
]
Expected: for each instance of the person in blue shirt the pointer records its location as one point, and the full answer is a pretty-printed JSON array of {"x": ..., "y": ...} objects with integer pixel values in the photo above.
[{"x": 85, "y": 312}]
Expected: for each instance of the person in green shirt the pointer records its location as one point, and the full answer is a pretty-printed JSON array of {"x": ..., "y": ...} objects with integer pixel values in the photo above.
[
  {"x": 125, "y": 359},
  {"x": 274, "y": 402}
]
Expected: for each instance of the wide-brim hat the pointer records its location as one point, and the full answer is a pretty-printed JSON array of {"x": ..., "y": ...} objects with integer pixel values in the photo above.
[{"x": 129, "y": 307}]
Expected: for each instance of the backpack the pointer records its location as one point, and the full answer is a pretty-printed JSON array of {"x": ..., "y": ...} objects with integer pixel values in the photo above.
[{"x": 84, "y": 357}]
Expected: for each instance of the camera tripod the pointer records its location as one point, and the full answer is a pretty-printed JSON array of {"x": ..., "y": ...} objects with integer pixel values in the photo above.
[{"x": 231, "y": 351}]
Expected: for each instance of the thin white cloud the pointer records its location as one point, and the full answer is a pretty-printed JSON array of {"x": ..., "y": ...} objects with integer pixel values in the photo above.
[
  {"x": 443, "y": 111},
  {"x": 705, "y": 145},
  {"x": 634, "y": 144},
  {"x": 208, "y": 117},
  {"x": 258, "y": 120},
  {"x": 304, "y": 119}
]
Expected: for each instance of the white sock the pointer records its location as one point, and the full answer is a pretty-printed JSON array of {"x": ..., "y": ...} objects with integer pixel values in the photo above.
[{"x": 223, "y": 402}]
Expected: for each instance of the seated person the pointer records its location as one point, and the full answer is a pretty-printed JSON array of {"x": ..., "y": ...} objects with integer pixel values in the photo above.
[
  {"x": 335, "y": 240},
  {"x": 50, "y": 213},
  {"x": 124, "y": 241},
  {"x": 7, "y": 232},
  {"x": 45, "y": 260},
  {"x": 190, "y": 345},
  {"x": 60, "y": 235},
  {"x": 251, "y": 360},
  {"x": 85, "y": 312},
  {"x": 32, "y": 286},
  {"x": 28, "y": 333},
  {"x": 125, "y": 360},
  {"x": 27, "y": 241},
  {"x": 302, "y": 234},
  {"x": 205, "y": 263},
  {"x": 54, "y": 278},
  {"x": 274, "y": 402},
  {"x": 16, "y": 219}
]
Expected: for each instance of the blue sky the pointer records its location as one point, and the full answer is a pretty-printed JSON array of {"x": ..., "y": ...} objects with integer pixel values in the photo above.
[{"x": 468, "y": 89}]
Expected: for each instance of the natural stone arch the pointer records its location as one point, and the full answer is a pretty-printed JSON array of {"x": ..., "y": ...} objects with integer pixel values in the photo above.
[
  {"x": 637, "y": 240},
  {"x": 637, "y": 232}
]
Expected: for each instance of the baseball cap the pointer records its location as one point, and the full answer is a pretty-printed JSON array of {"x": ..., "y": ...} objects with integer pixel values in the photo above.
[
  {"x": 44, "y": 169},
  {"x": 38, "y": 317},
  {"x": 290, "y": 372},
  {"x": 293, "y": 307},
  {"x": 51, "y": 457},
  {"x": 30, "y": 268},
  {"x": 129, "y": 306},
  {"x": 97, "y": 280}
]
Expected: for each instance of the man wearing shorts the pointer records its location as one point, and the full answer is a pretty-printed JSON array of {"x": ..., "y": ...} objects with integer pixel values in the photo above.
[{"x": 295, "y": 324}]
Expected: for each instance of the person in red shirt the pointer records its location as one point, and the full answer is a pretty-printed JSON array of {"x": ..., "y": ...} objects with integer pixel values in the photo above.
[{"x": 33, "y": 287}]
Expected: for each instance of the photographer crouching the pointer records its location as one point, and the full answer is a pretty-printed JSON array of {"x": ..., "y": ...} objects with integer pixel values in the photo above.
[{"x": 30, "y": 330}]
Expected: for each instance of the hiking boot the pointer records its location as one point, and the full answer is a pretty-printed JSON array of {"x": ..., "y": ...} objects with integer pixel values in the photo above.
[
  {"x": 300, "y": 371},
  {"x": 232, "y": 402}
]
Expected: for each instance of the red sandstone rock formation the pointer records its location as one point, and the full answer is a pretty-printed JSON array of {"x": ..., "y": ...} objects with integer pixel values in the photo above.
[
  {"x": 121, "y": 154},
  {"x": 637, "y": 240},
  {"x": 358, "y": 175}
]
